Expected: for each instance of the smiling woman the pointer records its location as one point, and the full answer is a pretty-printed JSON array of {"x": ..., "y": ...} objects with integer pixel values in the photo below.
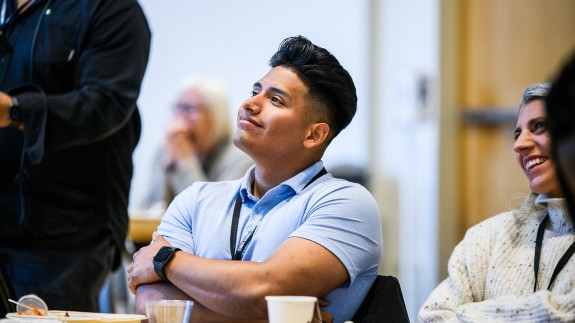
[
  {"x": 533, "y": 143},
  {"x": 516, "y": 266}
]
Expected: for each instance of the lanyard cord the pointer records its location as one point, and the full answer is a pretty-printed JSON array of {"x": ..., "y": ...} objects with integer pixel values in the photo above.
[
  {"x": 562, "y": 262},
  {"x": 237, "y": 253}
]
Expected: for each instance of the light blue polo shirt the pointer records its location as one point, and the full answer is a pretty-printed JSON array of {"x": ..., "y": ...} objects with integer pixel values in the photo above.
[{"x": 339, "y": 215}]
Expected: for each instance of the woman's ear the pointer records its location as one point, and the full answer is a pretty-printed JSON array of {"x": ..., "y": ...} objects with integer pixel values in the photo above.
[{"x": 318, "y": 134}]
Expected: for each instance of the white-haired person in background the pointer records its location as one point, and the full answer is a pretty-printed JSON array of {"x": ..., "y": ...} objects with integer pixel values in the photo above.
[
  {"x": 518, "y": 265},
  {"x": 198, "y": 144}
]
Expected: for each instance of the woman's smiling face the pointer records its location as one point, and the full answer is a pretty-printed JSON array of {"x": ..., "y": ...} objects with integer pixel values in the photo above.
[{"x": 533, "y": 148}]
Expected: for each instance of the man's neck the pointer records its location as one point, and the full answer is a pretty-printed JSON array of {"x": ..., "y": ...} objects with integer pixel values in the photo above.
[{"x": 267, "y": 178}]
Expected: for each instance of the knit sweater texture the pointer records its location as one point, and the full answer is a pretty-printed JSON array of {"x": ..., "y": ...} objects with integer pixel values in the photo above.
[{"x": 491, "y": 275}]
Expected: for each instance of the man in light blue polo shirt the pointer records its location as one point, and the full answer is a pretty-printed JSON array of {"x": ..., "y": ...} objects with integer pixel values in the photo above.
[{"x": 296, "y": 229}]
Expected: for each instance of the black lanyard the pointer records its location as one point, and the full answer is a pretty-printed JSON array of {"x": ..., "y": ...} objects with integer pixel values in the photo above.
[
  {"x": 562, "y": 262},
  {"x": 237, "y": 253}
]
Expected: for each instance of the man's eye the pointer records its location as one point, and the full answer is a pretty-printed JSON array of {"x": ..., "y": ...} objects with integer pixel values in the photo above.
[
  {"x": 275, "y": 99},
  {"x": 254, "y": 93}
]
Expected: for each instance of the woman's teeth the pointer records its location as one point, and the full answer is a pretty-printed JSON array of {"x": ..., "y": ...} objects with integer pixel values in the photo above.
[{"x": 534, "y": 162}]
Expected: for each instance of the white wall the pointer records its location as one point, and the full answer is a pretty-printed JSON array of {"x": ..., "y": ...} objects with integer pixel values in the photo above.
[{"x": 233, "y": 41}]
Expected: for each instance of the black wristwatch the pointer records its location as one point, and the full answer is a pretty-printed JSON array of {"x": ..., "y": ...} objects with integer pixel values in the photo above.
[
  {"x": 15, "y": 112},
  {"x": 162, "y": 258}
]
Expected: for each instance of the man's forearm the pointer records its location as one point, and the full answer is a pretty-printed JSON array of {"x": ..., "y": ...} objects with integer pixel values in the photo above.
[{"x": 165, "y": 290}]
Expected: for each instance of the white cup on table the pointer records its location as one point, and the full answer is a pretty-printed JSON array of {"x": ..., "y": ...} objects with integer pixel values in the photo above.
[{"x": 291, "y": 309}]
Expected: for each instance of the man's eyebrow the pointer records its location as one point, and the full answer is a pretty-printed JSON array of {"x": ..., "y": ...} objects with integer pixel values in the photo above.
[
  {"x": 273, "y": 89},
  {"x": 280, "y": 92}
]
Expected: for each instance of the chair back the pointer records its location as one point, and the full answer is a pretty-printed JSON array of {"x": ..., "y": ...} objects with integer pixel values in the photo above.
[{"x": 383, "y": 303}]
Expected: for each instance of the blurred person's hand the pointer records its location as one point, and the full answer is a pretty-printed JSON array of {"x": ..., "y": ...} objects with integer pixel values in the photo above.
[{"x": 180, "y": 142}]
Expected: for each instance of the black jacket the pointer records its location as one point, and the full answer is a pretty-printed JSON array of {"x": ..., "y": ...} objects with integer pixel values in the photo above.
[{"x": 76, "y": 69}]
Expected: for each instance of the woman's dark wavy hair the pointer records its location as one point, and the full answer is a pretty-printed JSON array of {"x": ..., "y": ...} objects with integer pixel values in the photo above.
[
  {"x": 560, "y": 105},
  {"x": 328, "y": 82}
]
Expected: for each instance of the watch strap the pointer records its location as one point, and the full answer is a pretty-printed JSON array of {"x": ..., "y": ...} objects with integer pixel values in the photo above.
[
  {"x": 159, "y": 269},
  {"x": 160, "y": 264}
]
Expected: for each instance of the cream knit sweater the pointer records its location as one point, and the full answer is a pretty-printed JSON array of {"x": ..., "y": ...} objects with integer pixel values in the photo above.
[{"x": 491, "y": 270}]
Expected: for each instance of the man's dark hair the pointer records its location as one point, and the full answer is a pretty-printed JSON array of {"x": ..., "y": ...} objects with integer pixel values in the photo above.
[
  {"x": 328, "y": 82},
  {"x": 560, "y": 104}
]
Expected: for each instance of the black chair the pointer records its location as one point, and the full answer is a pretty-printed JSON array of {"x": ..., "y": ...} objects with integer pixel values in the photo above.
[{"x": 383, "y": 303}]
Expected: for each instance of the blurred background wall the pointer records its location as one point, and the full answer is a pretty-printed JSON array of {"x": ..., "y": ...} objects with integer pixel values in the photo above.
[{"x": 437, "y": 84}]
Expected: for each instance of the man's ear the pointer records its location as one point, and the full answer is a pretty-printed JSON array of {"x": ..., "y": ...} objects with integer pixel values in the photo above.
[{"x": 318, "y": 134}]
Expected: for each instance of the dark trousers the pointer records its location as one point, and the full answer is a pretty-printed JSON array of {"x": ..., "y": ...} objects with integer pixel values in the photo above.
[
  {"x": 6, "y": 293},
  {"x": 67, "y": 275}
]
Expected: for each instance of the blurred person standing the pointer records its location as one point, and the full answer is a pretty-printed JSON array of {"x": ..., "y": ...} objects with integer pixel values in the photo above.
[
  {"x": 70, "y": 76},
  {"x": 198, "y": 144}
]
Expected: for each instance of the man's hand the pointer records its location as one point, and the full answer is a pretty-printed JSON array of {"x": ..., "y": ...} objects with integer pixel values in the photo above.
[
  {"x": 5, "y": 101},
  {"x": 141, "y": 270},
  {"x": 326, "y": 317}
]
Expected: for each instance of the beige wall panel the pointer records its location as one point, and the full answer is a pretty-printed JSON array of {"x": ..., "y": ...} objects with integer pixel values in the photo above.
[{"x": 506, "y": 45}]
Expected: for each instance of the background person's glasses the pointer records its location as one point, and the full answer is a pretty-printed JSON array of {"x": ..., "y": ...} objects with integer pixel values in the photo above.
[{"x": 188, "y": 108}]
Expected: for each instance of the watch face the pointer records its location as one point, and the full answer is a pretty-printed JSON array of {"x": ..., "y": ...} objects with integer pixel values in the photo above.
[
  {"x": 15, "y": 112},
  {"x": 163, "y": 254}
]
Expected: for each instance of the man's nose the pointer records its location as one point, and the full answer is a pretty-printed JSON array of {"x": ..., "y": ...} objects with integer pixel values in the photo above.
[{"x": 252, "y": 104}]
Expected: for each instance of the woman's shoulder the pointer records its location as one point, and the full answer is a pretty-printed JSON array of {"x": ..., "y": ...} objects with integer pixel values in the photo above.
[
  {"x": 493, "y": 225},
  {"x": 515, "y": 220}
]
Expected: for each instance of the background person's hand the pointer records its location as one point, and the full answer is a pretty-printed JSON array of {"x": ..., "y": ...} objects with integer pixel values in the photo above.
[{"x": 180, "y": 142}]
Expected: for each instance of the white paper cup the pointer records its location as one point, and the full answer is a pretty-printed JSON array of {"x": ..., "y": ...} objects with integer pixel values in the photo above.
[
  {"x": 291, "y": 309},
  {"x": 169, "y": 311}
]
